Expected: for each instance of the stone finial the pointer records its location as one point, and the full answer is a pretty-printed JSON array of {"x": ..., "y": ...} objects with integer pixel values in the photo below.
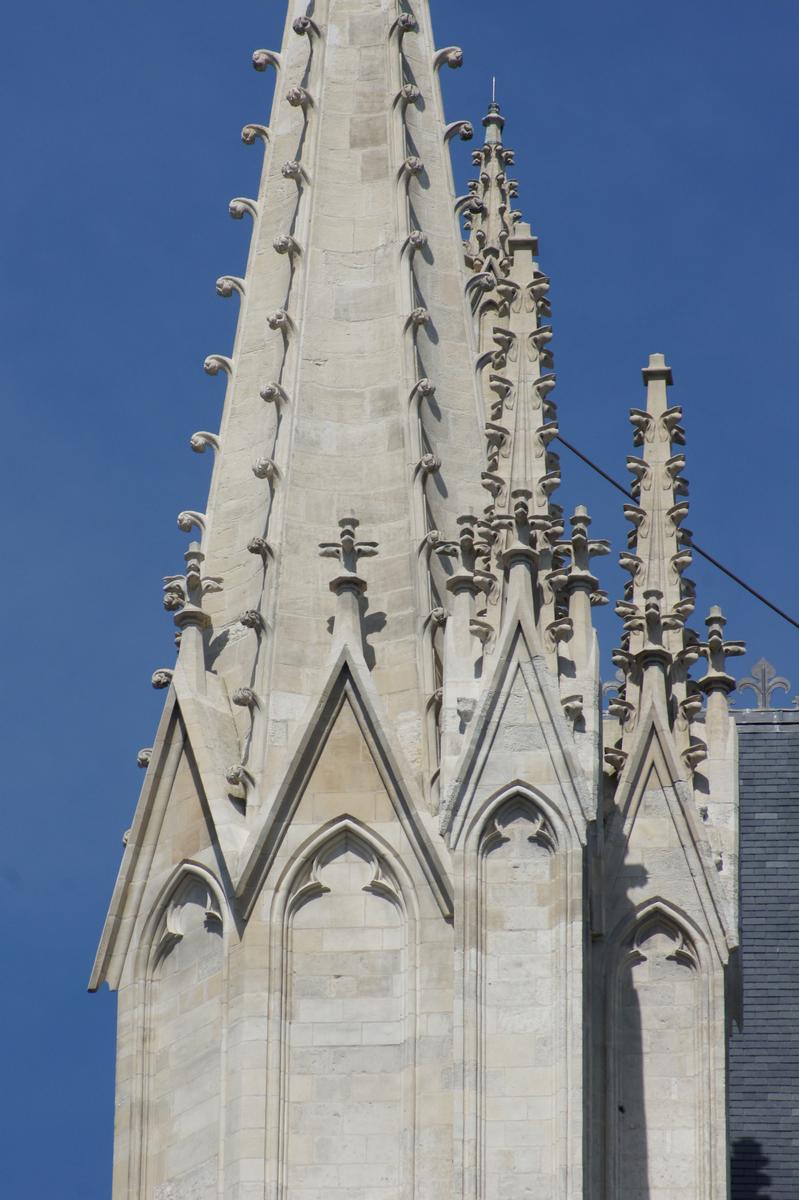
[
  {"x": 348, "y": 551},
  {"x": 348, "y": 585},
  {"x": 764, "y": 682},
  {"x": 716, "y": 650}
]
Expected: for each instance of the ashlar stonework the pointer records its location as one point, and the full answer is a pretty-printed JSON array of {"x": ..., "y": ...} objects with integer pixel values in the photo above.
[{"x": 403, "y": 914}]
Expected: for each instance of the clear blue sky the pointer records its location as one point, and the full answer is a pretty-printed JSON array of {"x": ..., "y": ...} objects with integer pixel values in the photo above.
[{"x": 657, "y": 153}]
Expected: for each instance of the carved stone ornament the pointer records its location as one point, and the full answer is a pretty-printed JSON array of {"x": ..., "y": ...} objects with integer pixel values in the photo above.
[
  {"x": 451, "y": 56},
  {"x": 405, "y": 23},
  {"x": 252, "y": 132},
  {"x": 462, "y": 129},
  {"x": 273, "y": 393},
  {"x": 418, "y": 317},
  {"x": 265, "y": 468},
  {"x": 409, "y": 93},
  {"x": 245, "y": 698},
  {"x": 764, "y": 682},
  {"x": 189, "y": 520},
  {"x": 226, "y": 285},
  {"x": 215, "y": 363},
  {"x": 241, "y": 206},
  {"x": 162, "y": 678},
  {"x": 298, "y": 97},
  {"x": 279, "y": 319},
  {"x": 262, "y": 59},
  {"x": 260, "y": 546},
  {"x": 201, "y": 440},
  {"x": 424, "y": 389},
  {"x": 293, "y": 170},
  {"x": 305, "y": 27},
  {"x": 144, "y": 756},
  {"x": 412, "y": 166},
  {"x": 252, "y": 619},
  {"x": 286, "y": 244}
]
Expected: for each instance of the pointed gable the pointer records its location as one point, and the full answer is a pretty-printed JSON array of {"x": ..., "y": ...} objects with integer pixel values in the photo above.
[
  {"x": 519, "y": 733},
  {"x": 343, "y": 764},
  {"x": 657, "y": 845}
]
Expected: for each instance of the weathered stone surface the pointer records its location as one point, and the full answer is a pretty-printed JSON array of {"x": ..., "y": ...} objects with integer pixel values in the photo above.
[{"x": 401, "y": 914}]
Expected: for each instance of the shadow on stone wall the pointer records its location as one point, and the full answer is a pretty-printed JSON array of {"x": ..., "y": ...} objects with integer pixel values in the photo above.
[{"x": 750, "y": 1181}]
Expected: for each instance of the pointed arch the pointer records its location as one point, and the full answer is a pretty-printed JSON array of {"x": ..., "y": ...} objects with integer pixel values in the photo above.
[
  {"x": 521, "y": 880},
  {"x": 523, "y": 792},
  {"x": 180, "y": 1039},
  {"x": 327, "y": 834},
  {"x": 343, "y": 1007},
  {"x": 664, "y": 1008},
  {"x": 183, "y": 874}
]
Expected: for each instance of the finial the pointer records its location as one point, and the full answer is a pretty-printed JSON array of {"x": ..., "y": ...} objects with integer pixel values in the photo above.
[{"x": 348, "y": 585}]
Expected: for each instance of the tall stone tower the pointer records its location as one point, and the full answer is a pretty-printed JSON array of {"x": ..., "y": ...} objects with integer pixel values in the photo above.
[{"x": 402, "y": 915}]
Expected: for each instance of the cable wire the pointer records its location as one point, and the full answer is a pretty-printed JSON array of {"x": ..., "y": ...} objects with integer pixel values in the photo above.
[{"x": 694, "y": 547}]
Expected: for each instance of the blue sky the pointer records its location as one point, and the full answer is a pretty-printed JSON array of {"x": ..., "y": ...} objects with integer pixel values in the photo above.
[{"x": 657, "y": 155}]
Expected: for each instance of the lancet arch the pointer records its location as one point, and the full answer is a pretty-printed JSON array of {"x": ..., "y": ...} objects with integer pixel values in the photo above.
[
  {"x": 181, "y": 976},
  {"x": 518, "y": 1010},
  {"x": 343, "y": 1016},
  {"x": 662, "y": 1001}
]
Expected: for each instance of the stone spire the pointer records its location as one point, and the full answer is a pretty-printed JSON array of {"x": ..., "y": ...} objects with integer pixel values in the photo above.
[
  {"x": 658, "y": 647},
  {"x": 349, "y": 388},
  {"x": 528, "y": 562}
]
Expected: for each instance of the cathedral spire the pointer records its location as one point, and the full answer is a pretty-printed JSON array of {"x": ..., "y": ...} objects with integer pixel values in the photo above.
[{"x": 348, "y": 388}]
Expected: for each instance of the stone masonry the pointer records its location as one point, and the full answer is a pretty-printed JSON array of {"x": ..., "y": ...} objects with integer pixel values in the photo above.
[{"x": 403, "y": 914}]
